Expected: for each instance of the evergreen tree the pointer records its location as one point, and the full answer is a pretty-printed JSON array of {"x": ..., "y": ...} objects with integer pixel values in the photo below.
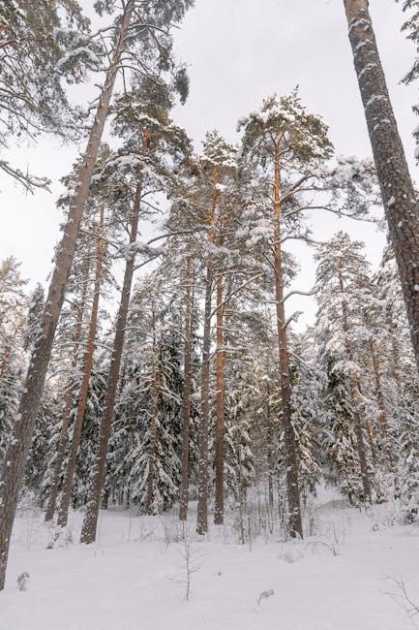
[
  {"x": 397, "y": 191},
  {"x": 44, "y": 46},
  {"x": 342, "y": 279}
]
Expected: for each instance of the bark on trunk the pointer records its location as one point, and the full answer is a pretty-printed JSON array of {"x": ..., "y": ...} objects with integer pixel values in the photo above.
[
  {"x": 187, "y": 392},
  {"x": 88, "y": 534},
  {"x": 86, "y": 376},
  {"x": 69, "y": 397},
  {"x": 295, "y": 526},
  {"x": 397, "y": 189},
  {"x": 202, "y": 516},
  {"x": 219, "y": 402},
  {"x": 18, "y": 448}
]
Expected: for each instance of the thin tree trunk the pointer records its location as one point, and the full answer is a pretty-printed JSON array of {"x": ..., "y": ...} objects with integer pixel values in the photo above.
[
  {"x": 18, "y": 447},
  {"x": 86, "y": 376},
  {"x": 220, "y": 404},
  {"x": 202, "y": 516},
  {"x": 89, "y": 529},
  {"x": 187, "y": 392},
  {"x": 295, "y": 526},
  {"x": 69, "y": 397},
  {"x": 397, "y": 188}
]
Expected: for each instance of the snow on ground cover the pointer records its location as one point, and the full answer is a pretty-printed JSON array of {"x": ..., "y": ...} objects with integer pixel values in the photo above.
[{"x": 341, "y": 578}]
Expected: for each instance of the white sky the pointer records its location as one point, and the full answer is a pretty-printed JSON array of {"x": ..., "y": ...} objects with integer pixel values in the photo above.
[{"x": 239, "y": 52}]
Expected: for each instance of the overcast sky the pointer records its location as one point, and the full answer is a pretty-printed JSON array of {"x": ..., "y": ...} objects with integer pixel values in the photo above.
[{"x": 239, "y": 52}]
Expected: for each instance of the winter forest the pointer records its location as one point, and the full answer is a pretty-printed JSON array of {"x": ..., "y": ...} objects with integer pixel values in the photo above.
[{"x": 209, "y": 401}]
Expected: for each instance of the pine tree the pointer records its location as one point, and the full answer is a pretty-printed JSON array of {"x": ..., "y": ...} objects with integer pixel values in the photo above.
[
  {"x": 397, "y": 190},
  {"x": 151, "y": 141},
  {"x": 284, "y": 138},
  {"x": 127, "y": 41},
  {"x": 87, "y": 368}
]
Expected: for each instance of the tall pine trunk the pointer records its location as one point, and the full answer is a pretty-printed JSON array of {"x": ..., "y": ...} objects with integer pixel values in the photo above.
[
  {"x": 397, "y": 188},
  {"x": 187, "y": 392},
  {"x": 220, "y": 406},
  {"x": 89, "y": 529},
  {"x": 295, "y": 526},
  {"x": 18, "y": 449},
  {"x": 68, "y": 399},
  {"x": 85, "y": 382},
  {"x": 202, "y": 516}
]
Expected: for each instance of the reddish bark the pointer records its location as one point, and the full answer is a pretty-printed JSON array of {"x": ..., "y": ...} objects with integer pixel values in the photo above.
[
  {"x": 68, "y": 399},
  {"x": 89, "y": 529},
  {"x": 86, "y": 376}
]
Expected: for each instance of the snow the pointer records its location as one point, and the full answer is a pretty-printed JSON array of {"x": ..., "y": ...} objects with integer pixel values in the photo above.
[
  {"x": 375, "y": 98},
  {"x": 366, "y": 24},
  {"x": 77, "y": 52},
  {"x": 341, "y": 578},
  {"x": 367, "y": 68}
]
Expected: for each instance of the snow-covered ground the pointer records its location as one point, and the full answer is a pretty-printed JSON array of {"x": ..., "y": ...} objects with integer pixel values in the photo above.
[{"x": 347, "y": 576}]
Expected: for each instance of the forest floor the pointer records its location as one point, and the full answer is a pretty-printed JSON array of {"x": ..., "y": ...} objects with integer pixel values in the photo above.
[{"x": 349, "y": 575}]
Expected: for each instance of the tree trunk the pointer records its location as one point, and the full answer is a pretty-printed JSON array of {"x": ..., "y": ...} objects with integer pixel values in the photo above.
[
  {"x": 397, "y": 188},
  {"x": 18, "y": 448},
  {"x": 202, "y": 516},
  {"x": 187, "y": 392},
  {"x": 295, "y": 526},
  {"x": 86, "y": 376},
  {"x": 220, "y": 400},
  {"x": 68, "y": 400},
  {"x": 88, "y": 534}
]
